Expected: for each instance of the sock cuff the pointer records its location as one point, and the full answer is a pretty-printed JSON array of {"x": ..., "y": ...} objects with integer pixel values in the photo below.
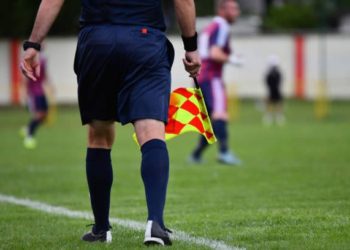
[
  {"x": 98, "y": 154},
  {"x": 152, "y": 144}
]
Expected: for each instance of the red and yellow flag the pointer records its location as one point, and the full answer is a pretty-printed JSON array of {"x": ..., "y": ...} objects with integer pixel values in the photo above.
[{"x": 187, "y": 112}]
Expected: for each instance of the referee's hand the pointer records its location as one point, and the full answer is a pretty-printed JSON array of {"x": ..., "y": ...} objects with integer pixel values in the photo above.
[
  {"x": 192, "y": 63},
  {"x": 30, "y": 65}
]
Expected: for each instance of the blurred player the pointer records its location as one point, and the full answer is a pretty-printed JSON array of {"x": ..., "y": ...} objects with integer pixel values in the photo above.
[
  {"x": 123, "y": 62},
  {"x": 273, "y": 81},
  {"x": 37, "y": 103},
  {"x": 215, "y": 51}
]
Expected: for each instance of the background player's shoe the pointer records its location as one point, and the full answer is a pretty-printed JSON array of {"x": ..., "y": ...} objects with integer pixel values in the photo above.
[
  {"x": 29, "y": 143},
  {"x": 156, "y": 235},
  {"x": 102, "y": 236},
  {"x": 229, "y": 158}
]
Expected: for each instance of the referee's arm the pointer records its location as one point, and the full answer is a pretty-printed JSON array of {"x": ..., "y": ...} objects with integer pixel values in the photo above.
[
  {"x": 186, "y": 17},
  {"x": 46, "y": 15}
]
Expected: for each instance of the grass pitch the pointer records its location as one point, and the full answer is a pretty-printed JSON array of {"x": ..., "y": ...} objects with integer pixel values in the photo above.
[{"x": 291, "y": 193}]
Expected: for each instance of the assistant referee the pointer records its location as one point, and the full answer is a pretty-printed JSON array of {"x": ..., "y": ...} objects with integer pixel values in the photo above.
[{"x": 122, "y": 62}]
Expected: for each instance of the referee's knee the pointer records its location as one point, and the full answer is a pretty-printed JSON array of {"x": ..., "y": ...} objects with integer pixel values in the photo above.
[
  {"x": 101, "y": 135},
  {"x": 149, "y": 129}
]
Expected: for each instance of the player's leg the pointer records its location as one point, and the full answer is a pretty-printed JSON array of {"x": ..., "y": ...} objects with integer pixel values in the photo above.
[
  {"x": 39, "y": 110},
  {"x": 38, "y": 118},
  {"x": 196, "y": 155},
  {"x": 220, "y": 123},
  {"x": 268, "y": 115},
  {"x": 155, "y": 174},
  {"x": 220, "y": 115},
  {"x": 279, "y": 114},
  {"x": 221, "y": 133},
  {"x": 100, "y": 177},
  {"x": 225, "y": 155}
]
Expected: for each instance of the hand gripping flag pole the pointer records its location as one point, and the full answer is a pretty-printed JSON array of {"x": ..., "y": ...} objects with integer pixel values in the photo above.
[{"x": 188, "y": 113}]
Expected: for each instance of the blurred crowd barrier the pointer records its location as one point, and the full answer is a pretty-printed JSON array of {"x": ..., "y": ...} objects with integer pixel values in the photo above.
[{"x": 306, "y": 61}]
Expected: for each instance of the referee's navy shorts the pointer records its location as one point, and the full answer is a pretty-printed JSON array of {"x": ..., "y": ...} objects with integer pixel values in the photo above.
[{"x": 123, "y": 73}]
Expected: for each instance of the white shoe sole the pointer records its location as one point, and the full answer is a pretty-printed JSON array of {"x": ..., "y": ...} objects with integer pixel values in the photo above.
[{"x": 153, "y": 240}]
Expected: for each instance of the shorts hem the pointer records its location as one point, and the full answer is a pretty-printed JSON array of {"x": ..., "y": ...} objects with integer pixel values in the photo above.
[
  {"x": 85, "y": 120},
  {"x": 142, "y": 117}
]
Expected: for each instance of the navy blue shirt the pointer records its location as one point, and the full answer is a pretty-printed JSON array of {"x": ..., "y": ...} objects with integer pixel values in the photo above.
[{"x": 128, "y": 12}]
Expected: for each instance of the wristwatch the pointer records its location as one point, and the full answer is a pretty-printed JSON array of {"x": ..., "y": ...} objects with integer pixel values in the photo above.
[{"x": 28, "y": 44}]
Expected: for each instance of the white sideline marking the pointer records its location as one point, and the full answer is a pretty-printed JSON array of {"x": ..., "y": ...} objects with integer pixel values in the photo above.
[{"x": 177, "y": 235}]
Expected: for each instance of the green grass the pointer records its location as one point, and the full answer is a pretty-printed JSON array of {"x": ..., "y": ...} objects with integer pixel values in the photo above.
[{"x": 292, "y": 192}]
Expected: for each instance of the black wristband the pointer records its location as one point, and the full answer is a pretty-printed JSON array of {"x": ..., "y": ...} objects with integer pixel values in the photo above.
[
  {"x": 190, "y": 43},
  {"x": 28, "y": 44}
]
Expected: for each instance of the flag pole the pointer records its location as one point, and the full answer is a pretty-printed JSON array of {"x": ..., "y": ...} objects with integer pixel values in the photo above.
[{"x": 196, "y": 82}]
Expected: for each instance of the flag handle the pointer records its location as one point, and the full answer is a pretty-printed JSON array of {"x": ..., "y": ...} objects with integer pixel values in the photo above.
[{"x": 196, "y": 82}]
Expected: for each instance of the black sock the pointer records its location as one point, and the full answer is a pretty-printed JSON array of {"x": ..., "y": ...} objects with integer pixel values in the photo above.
[
  {"x": 155, "y": 175},
  {"x": 202, "y": 145},
  {"x": 33, "y": 125},
  {"x": 100, "y": 177},
  {"x": 220, "y": 129}
]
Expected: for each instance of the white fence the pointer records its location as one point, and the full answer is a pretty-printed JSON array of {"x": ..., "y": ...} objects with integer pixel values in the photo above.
[
  {"x": 4, "y": 73},
  {"x": 247, "y": 80}
]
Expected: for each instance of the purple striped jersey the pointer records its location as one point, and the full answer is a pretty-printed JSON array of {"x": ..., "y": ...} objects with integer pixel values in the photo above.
[{"x": 217, "y": 33}]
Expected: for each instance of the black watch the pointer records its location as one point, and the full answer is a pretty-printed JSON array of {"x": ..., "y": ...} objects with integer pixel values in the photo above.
[{"x": 28, "y": 44}]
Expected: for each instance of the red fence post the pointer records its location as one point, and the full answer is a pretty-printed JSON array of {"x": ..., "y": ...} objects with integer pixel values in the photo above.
[
  {"x": 299, "y": 45},
  {"x": 15, "y": 73}
]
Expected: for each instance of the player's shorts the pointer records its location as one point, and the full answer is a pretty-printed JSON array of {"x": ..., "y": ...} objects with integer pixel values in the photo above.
[
  {"x": 123, "y": 73},
  {"x": 38, "y": 103},
  {"x": 214, "y": 95}
]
